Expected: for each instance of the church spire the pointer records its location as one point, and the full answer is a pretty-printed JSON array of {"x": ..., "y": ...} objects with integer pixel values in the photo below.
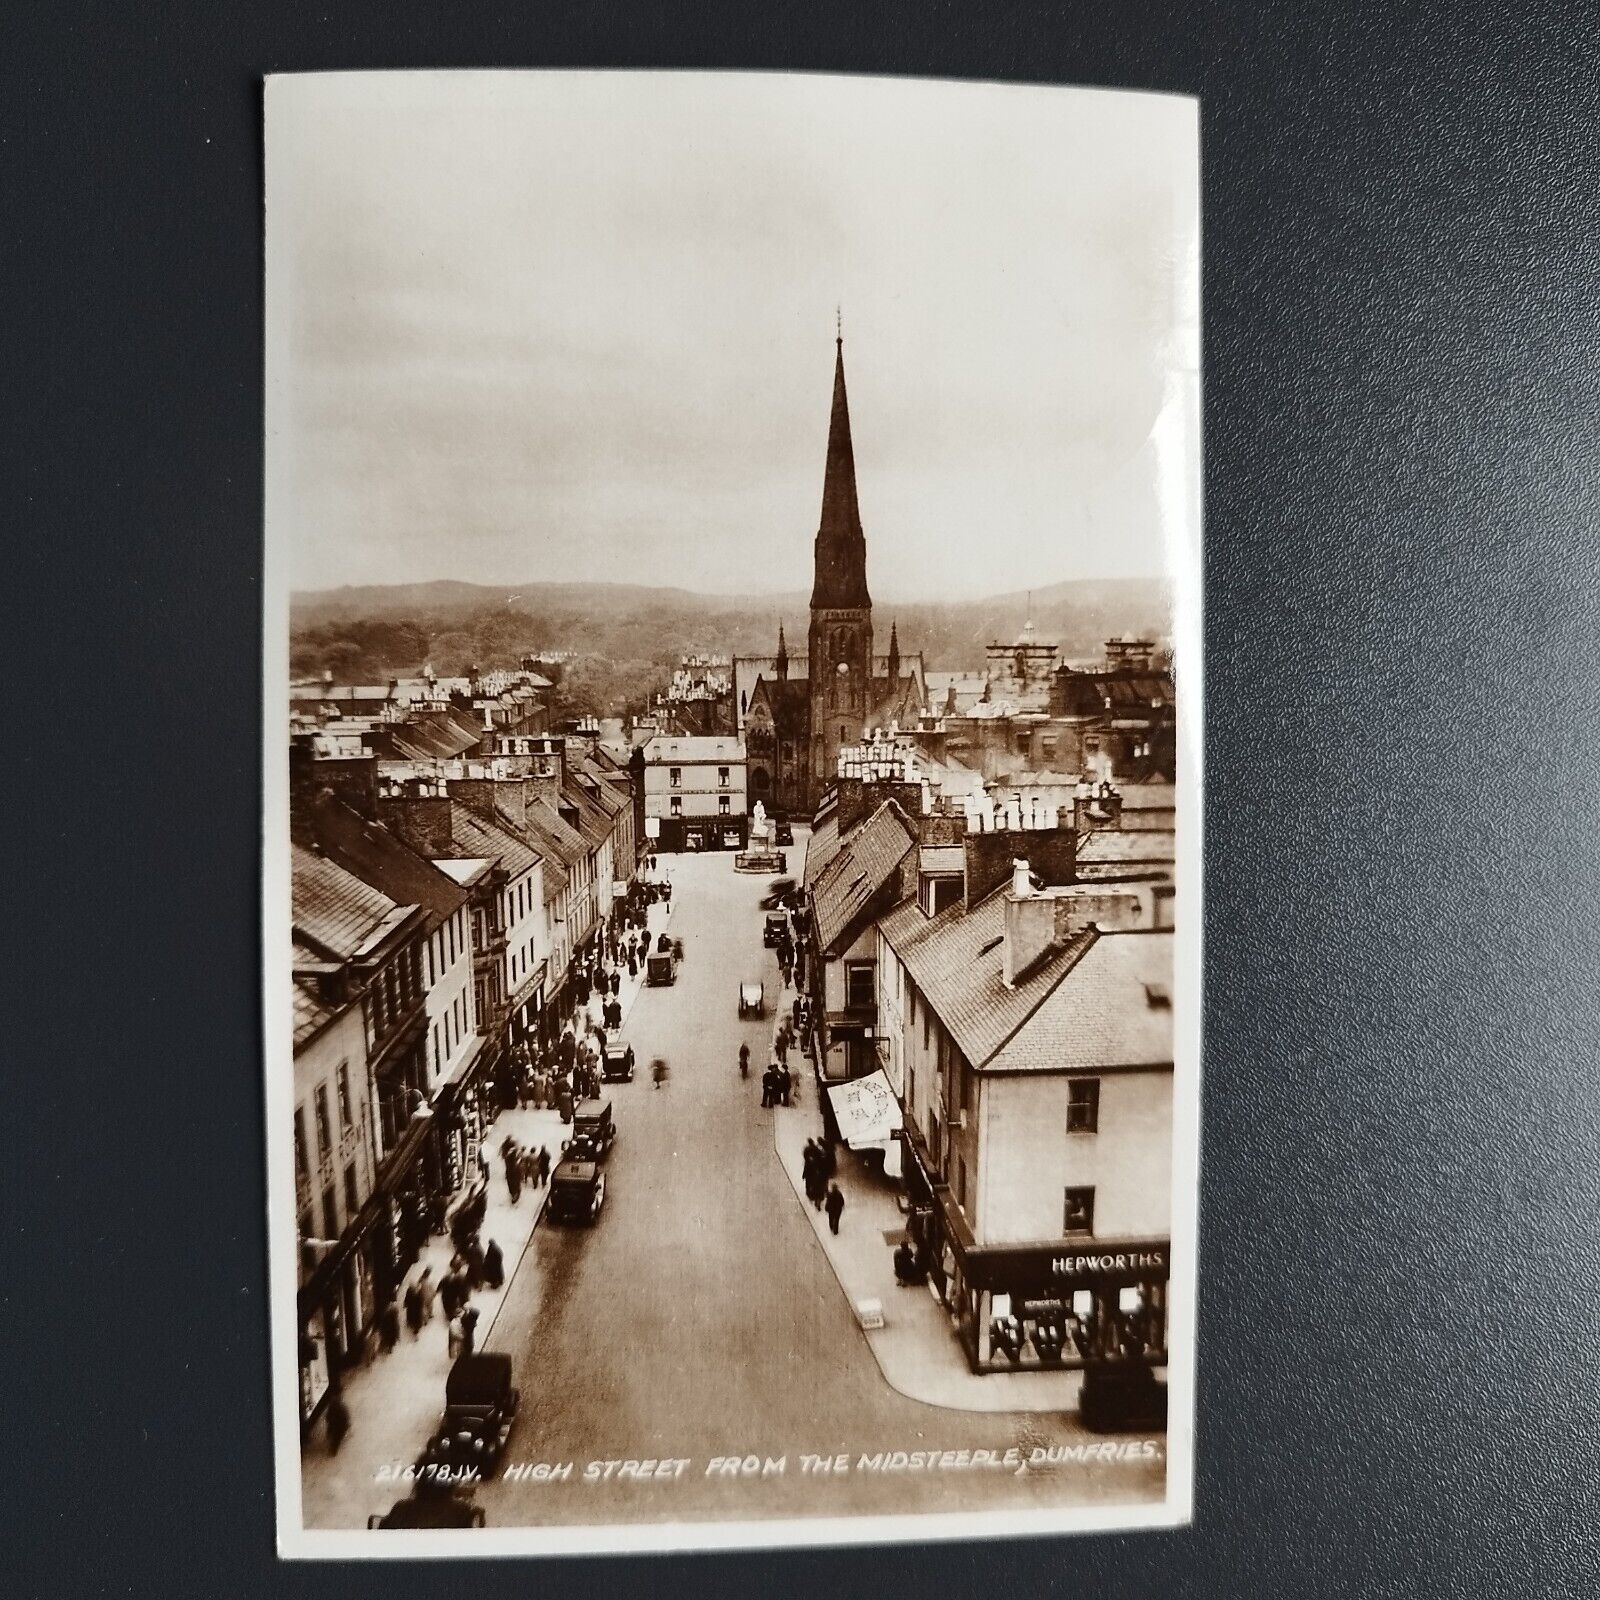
[
  {"x": 783, "y": 656},
  {"x": 894, "y": 653},
  {"x": 841, "y": 547}
]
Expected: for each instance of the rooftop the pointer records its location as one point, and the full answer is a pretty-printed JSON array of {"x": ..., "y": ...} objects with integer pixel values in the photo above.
[
  {"x": 334, "y": 911},
  {"x": 869, "y": 857}
]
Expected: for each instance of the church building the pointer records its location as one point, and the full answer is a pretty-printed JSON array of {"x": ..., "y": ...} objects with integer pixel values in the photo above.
[{"x": 796, "y": 719}]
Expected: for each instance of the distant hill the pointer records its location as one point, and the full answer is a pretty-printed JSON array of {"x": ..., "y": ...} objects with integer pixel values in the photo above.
[{"x": 628, "y": 636}]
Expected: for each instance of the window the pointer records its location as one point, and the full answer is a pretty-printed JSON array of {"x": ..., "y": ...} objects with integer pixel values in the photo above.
[
  {"x": 352, "y": 1200},
  {"x": 345, "y": 1117},
  {"x": 724, "y": 805},
  {"x": 1023, "y": 741},
  {"x": 961, "y": 1182},
  {"x": 858, "y": 990},
  {"x": 302, "y": 1166},
  {"x": 722, "y": 777},
  {"x": 675, "y": 776},
  {"x": 677, "y": 805},
  {"x": 330, "y": 1213},
  {"x": 1077, "y": 1215},
  {"x": 910, "y": 995},
  {"x": 1083, "y": 1105},
  {"x": 1047, "y": 746},
  {"x": 324, "y": 1127}
]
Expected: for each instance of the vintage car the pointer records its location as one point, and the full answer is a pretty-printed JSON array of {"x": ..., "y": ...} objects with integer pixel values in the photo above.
[
  {"x": 480, "y": 1403},
  {"x": 661, "y": 968},
  {"x": 438, "y": 1505},
  {"x": 1122, "y": 1397},
  {"x": 752, "y": 1000},
  {"x": 593, "y": 1131},
  {"x": 779, "y": 893},
  {"x": 782, "y": 833},
  {"x": 616, "y": 1062},
  {"x": 774, "y": 928},
  {"x": 577, "y": 1191}
]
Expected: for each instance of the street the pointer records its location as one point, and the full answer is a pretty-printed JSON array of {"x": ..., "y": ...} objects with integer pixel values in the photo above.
[{"x": 699, "y": 1318}]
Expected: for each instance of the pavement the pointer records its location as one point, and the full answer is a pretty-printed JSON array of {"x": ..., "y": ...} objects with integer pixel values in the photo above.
[
  {"x": 700, "y": 1321},
  {"x": 395, "y": 1399},
  {"x": 916, "y": 1348}
]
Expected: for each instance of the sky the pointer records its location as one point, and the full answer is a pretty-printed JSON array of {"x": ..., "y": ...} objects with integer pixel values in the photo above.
[{"x": 580, "y": 327}]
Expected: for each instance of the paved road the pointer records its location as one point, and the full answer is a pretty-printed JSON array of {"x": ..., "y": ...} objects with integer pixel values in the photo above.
[{"x": 700, "y": 1318}]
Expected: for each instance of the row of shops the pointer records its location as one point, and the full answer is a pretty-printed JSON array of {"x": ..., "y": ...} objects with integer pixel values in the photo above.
[{"x": 431, "y": 1163}]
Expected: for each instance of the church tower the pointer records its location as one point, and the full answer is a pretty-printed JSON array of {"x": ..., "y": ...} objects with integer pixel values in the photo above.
[{"x": 840, "y": 656}]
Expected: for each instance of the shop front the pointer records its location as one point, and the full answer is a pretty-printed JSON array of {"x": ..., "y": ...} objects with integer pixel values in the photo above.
[
  {"x": 1054, "y": 1303},
  {"x": 1064, "y": 1303}
]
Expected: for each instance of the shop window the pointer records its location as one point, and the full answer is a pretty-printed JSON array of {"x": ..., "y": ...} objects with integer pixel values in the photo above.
[
  {"x": 344, "y": 1094},
  {"x": 1083, "y": 1105},
  {"x": 1078, "y": 1211},
  {"x": 858, "y": 992}
]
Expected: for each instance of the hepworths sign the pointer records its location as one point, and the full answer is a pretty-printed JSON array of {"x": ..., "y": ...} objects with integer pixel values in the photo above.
[{"x": 865, "y": 1109}]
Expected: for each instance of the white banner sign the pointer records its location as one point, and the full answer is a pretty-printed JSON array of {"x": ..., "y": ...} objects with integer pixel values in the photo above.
[{"x": 865, "y": 1109}]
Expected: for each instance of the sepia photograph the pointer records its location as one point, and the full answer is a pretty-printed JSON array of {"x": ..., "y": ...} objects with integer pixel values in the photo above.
[{"x": 731, "y": 868}]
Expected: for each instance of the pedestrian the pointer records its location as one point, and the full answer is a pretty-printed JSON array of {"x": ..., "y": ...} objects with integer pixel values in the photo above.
[
  {"x": 389, "y": 1326},
  {"x": 769, "y": 1085},
  {"x": 781, "y": 1045},
  {"x": 616, "y": 989},
  {"x": 544, "y": 1165},
  {"x": 785, "y": 1085},
  {"x": 483, "y": 1164},
  {"x": 469, "y": 1328},
  {"x": 794, "y": 1013},
  {"x": 494, "y": 1266},
  {"x": 426, "y": 1290},
  {"x": 513, "y": 1159},
  {"x": 474, "y": 1254},
  {"x": 413, "y": 1309},
  {"x": 338, "y": 1423},
  {"x": 835, "y": 1207},
  {"x": 456, "y": 1338}
]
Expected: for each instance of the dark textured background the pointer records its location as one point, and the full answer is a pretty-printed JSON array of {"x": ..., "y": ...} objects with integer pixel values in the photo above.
[{"x": 1398, "y": 1381}]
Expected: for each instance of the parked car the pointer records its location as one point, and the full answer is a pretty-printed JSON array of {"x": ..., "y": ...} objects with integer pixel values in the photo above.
[
  {"x": 782, "y": 833},
  {"x": 616, "y": 1064},
  {"x": 432, "y": 1507},
  {"x": 1122, "y": 1396},
  {"x": 480, "y": 1403},
  {"x": 773, "y": 930},
  {"x": 661, "y": 968},
  {"x": 577, "y": 1191},
  {"x": 752, "y": 1000}
]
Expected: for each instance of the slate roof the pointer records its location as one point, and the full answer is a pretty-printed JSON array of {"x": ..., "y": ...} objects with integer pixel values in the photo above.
[
  {"x": 436, "y": 738},
  {"x": 545, "y": 823},
  {"x": 333, "y": 910},
  {"x": 1113, "y": 1010},
  {"x": 478, "y": 835},
  {"x": 378, "y": 858},
  {"x": 311, "y": 1016},
  {"x": 1103, "y": 846},
  {"x": 956, "y": 960},
  {"x": 821, "y": 847},
  {"x": 864, "y": 863}
]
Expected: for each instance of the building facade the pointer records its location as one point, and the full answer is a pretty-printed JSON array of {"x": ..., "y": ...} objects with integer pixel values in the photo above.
[{"x": 695, "y": 795}]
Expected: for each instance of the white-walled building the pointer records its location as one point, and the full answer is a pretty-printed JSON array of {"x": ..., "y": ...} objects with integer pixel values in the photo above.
[
  {"x": 695, "y": 789},
  {"x": 1028, "y": 1037}
]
